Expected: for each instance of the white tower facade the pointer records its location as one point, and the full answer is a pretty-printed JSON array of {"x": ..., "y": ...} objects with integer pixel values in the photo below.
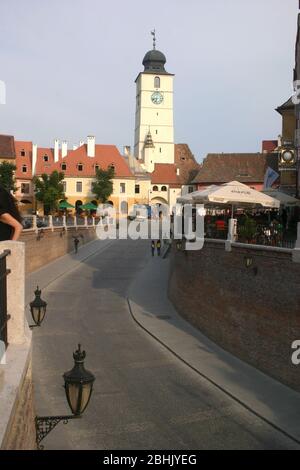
[{"x": 154, "y": 112}]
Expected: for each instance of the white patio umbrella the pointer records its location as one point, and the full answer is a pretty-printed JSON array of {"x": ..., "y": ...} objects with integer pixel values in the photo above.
[
  {"x": 189, "y": 198},
  {"x": 284, "y": 199},
  {"x": 235, "y": 194}
]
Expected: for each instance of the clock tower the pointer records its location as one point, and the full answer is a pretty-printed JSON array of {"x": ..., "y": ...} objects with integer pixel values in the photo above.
[{"x": 154, "y": 112}]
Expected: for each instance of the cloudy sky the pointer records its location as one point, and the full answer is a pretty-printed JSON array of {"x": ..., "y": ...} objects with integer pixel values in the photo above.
[{"x": 70, "y": 65}]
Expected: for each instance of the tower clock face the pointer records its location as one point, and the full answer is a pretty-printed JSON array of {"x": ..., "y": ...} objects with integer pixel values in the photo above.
[
  {"x": 287, "y": 156},
  {"x": 157, "y": 97}
]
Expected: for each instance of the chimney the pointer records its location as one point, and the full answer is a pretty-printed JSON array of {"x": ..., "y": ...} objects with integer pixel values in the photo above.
[
  {"x": 56, "y": 150},
  {"x": 81, "y": 143},
  {"x": 34, "y": 158},
  {"x": 64, "y": 148},
  {"x": 91, "y": 146},
  {"x": 126, "y": 150}
]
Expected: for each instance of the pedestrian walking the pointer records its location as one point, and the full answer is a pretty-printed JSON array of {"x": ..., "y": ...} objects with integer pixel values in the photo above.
[
  {"x": 158, "y": 246},
  {"x": 153, "y": 247},
  {"x": 76, "y": 243},
  {"x": 10, "y": 219}
]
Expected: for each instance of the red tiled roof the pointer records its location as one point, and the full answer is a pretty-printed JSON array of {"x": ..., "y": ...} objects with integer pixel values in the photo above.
[
  {"x": 242, "y": 167},
  {"x": 26, "y": 160},
  {"x": 185, "y": 161},
  {"x": 165, "y": 173},
  {"x": 105, "y": 155},
  {"x": 269, "y": 145},
  {"x": 7, "y": 147}
]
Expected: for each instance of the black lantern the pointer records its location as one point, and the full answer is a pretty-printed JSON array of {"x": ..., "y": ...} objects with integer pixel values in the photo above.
[
  {"x": 78, "y": 384},
  {"x": 78, "y": 387},
  {"x": 248, "y": 261},
  {"x": 38, "y": 308}
]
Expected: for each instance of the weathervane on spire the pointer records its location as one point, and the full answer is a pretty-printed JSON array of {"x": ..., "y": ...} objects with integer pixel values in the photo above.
[{"x": 154, "y": 37}]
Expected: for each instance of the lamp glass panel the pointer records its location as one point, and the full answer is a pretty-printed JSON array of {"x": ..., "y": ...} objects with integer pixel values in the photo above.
[
  {"x": 73, "y": 391},
  {"x": 86, "y": 393}
]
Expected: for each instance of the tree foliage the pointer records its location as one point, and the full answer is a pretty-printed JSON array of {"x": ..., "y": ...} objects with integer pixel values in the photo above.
[
  {"x": 7, "y": 177},
  {"x": 103, "y": 186},
  {"x": 49, "y": 189}
]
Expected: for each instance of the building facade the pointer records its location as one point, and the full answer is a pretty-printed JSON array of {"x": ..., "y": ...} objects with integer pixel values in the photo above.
[{"x": 156, "y": 172}]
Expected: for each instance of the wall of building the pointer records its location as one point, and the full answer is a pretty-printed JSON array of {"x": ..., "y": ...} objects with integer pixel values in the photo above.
[
  {"x": 20, "y": 433},
  {"x": 288, "y": 125},
  {"x": 251, "y": 312},
  {"x": 52, "y": 245},
  {"x": 17, "y": 413}
]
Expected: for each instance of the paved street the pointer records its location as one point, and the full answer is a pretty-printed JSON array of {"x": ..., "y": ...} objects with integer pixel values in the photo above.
[{"x": 144, "y": 397}]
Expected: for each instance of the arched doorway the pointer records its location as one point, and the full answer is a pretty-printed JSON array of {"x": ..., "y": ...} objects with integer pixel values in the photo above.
[
  {"x": 78, "y": 209},
  {"x": 159, "y": 205}
]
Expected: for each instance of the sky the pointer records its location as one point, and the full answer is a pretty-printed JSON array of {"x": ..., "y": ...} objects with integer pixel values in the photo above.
[{"x": 69, "y": 68}]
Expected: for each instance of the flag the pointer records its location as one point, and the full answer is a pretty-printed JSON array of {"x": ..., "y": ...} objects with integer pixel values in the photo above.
[{"x": 270, "y": 177}]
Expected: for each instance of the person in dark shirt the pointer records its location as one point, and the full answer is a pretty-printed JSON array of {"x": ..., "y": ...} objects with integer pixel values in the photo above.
[{"x": 10, "y": 219}]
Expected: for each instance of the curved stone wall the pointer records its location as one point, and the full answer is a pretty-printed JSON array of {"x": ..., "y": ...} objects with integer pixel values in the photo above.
[{"x": 252, "y": 312}]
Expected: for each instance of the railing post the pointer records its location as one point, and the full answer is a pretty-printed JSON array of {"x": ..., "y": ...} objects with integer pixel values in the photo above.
[
  {"x": 34, "y": 225},
  {"x": 51, "y": 222},
  {"x": 3, "y": 300},
  {"x": 231, "y": 235},
  {"x": 17, "y": 330},
  {"x": 75, "y": 221},
  {"x": 296, "y": 250},
  {"x": 85, "y": 221}
]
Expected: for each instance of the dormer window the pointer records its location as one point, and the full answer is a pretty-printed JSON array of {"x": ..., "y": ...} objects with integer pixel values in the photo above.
[
  {"x": 63, "y": 166},
  {"x": 112, "y": 166},
  {"x": 22, "y": 153},
  {"x": 24, "y": 169},
  {"x": 80, "y": 166},
  {"x": 97, "y": 167},
  {"x": 46, "y": 158}
]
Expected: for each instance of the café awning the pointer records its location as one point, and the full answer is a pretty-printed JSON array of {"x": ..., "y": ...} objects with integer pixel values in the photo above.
[
  {"x": 234, "y": 194},
  {"x": 284, "y": 199}
]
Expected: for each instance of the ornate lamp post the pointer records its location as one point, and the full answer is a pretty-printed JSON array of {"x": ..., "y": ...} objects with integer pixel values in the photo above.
[
  {"x": 38, "y": 308},
  {"x": 78, "y": 388}
]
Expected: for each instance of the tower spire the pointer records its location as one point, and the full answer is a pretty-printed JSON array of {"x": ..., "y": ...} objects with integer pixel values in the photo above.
[{"x": 154, "y": 37}]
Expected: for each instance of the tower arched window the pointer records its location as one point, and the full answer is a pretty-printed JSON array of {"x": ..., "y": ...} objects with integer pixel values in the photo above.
[
  {"x": 155, "y": 188},
  {"x": 156, "y": 82},
  {"x": 163, "y": 188}
]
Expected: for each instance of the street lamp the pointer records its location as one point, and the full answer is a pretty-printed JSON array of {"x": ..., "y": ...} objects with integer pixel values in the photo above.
[
  {"x": 78, "y": 384},
  {"x": 78, "y": 387},
  {"x": 248, "y": 261},
  {"x": 38, "y": 308}
]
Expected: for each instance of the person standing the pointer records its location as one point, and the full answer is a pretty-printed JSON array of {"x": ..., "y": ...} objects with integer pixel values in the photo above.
[
  {"x": 153, "y": 247},
  {"x": 76, "y": 243},
  {"x": 10, "y": 220},
  {"x": 158, "y": 246}
]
